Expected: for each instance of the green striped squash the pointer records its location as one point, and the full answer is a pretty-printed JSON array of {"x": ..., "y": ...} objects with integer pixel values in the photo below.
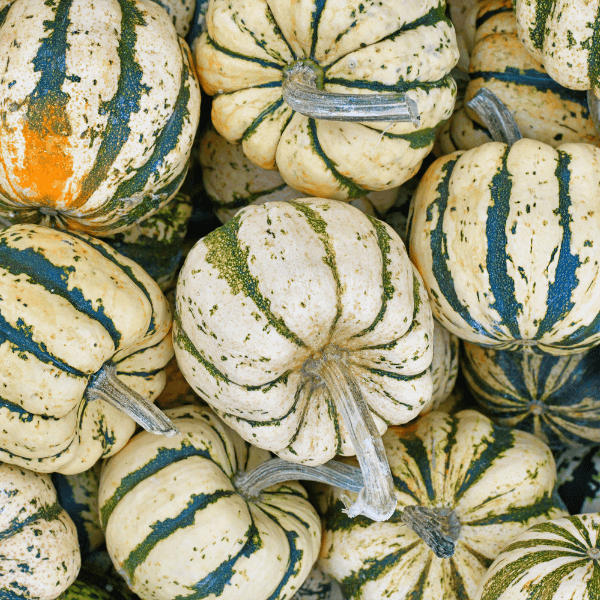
[
  {"x": 353, "y": 47},
  {"x": 156, "y": 243},
  {"x": 181, "y": 13},
  {"x": 78, "y": 495},
  {"x": 460, "y": 133},
  {"x": 176, "y": 527},
  {"x": 281, "y": 283},
  {"x": 556, "y": 398},
  {"x": 507, "y": 240},
  {"x": 99, "y": 120},
  {"x": 564, "y": 37},
  {"x": 543, "y": 109},
  {"x": 496, "y": 482},
  {"x": 39, "y": 554},
  {"x": 232, "y": 181},
  {"x": 71, "y": 304},
  {"x": 554, "y": 561}
]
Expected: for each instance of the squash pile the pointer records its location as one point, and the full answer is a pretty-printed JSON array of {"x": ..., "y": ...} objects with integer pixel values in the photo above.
[{"x": 377, "y": 378}]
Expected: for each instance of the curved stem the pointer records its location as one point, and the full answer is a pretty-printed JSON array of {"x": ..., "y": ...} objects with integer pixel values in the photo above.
[
  {"x": 251, "y": 483},
  {"x": 594, "y": 108},
  {"x": 300, "y": 92},
  {"x": 496, "y": 117},
  {"x": 439, "y": 528},
  {"x": 105, "y": 385},
  {"x": 377, "y": 499}
]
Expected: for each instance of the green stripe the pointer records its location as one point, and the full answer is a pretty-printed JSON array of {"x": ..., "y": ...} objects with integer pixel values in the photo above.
[
  {"x": 263, "y": 63},
  {"x": 537, "y": 32},
  {"x": 498, "y": 584},
  {"x": 267, "y": 112},
  {"x": 227, "y": 257},
  {"x": 319, "y": 225},
  {"x": 457, "y": 582},
  {"x": 593, "y": 47},
  {"x": 556, "y": 529},
  {"x": 47, "y": 512},
  {"x": 383, "y": 241},
  {"x": 532, "y": 543},
  {"x": 161, "y": 530}
]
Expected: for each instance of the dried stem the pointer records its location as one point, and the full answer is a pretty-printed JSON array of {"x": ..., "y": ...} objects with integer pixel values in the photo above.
[{"x": 496, "y": 117}]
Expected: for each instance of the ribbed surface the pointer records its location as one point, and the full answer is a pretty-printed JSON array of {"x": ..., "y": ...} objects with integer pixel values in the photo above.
[
  {"x": 498, "y": 482},
  {"x": 100, "y": 105},
  {"x": 281, "y": 281},
  {"x": 175, "y": 526}
]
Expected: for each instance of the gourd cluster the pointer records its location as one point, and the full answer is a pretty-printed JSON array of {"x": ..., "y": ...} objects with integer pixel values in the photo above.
[{"x": 335, "y": 338}]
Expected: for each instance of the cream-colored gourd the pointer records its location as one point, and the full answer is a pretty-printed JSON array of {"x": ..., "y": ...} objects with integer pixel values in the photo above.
[
  {"x": 176, "y": 527},
  {"x": 39, "y": 554},
  {"x": 287, "y": 283}
]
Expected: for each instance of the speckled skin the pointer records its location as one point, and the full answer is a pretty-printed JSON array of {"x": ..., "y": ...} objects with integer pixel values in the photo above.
[
  {"x": 232, "y": 181},
  {"x": 273, "y": 288},
  {"x": 507, "y": 241},
  {"x": 564, "y": 36},
  {"x": 497, "y": 481},
  {"x": 181, "y": 13},
  {"x": 552, "y": 561},
  {"x": 362, "y": 46},
  {"x": 39, "y": 553},
  {"x": 176, "y": 527},
  {"x": 69, "y": 305},
  {"x": 100, "y": 104}
]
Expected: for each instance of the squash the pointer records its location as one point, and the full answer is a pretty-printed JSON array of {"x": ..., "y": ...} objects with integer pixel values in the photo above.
[
  {"x": 39, "y": 554},
  {"x": 578, "y": 472},
  {"x": 93, "y": 140},
  {"x": 283, "y": 77},
  {"x": 465, "y": 487},
  {"x": 563, "y": 37},
  {"x": 78, "y": 495},
  {"x": 444, "y": 365},
  {"x": 181, "y": 13},
  {"x": 232, "y": 181},
  {"x": 553, "y": 397},
  {"x": 507, "y": 240},
  {"x": 553, "y": 560},
  {"x": 289, "y": 296},
  {"x": 80, "y": 326},
  {"x": 176, "y": 526},
  {"x": 91, "y": 585},
  {"x": 156, "y": 243},
  {"x": 543, "y": 109}
]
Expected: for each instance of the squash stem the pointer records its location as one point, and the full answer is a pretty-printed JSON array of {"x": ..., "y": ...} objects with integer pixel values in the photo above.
[
  {"x": 301, "y": 93},
  {"x": 439, "y": 528},
  {"x": 105, "y": 385},
  {"x": 377, "y": 499},
  {"x": 251, "y": 483},
  {"x": 496, "y": 117}
]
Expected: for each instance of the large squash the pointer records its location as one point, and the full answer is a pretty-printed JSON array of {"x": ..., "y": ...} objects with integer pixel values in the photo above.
[
  {"x": 176, "y": 527},
  {"x": 507, "y": 240},
  {"x": 554, "y": 397},
  {"x": 553, "y": 560},
  {"x": 252, "y": 51},
  {"x": 100, "y": 105},
  {"x": 459, "y": 480},
  {"x": 39, "y": 554},
  {"x": 74, "y": 317}
]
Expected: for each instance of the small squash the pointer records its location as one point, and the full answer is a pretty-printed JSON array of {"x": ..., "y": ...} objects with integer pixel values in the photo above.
[
  {"x": 556, "y": 398},
  {"x": 156, "y": 243},
  {"x": 465, "y": 488},
  {"x": 39, "y": 553},
  {"x": 175, "y": 525},
  {"x": 100, "y": 105},
  {"x": 578, "y": 472},
  {"x": 80, "y": 326},
  {"x": 553, "y": 560},
  {"x": 78, "y": 495},
  {"x": 289, "y": 82},
  {"x": 507, "y": 240},
  {"x": 232, "y": 181}
]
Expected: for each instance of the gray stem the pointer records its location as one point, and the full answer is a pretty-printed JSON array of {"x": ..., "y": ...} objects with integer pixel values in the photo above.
[
  {"x": 377, "y": 499},
  {"x": 301, "y": 94},
  {"x": 439, "y": 528},
  {"x": 250, "y": 483},
  {"x": 496, "y": 117},
  {"x": 105, "y": 385}
]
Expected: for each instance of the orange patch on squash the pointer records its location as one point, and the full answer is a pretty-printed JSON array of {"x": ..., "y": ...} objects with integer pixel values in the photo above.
[{"x": 47, "y": 164}]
